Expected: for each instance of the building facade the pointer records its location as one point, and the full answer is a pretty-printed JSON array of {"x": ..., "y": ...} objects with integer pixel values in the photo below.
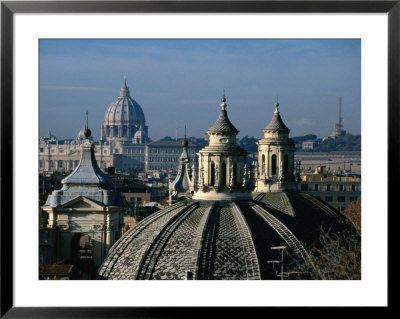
[
  {"x": 334, "y": 162},
  {"x": 86, "y": 215},
  {"x": 164, "y": 155},
  {"x": 64, "y": 155},
  {"x": 336, "y": 190}
]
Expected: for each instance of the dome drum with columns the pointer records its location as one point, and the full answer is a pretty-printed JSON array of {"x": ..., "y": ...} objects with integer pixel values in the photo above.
[{"x": 218, "y": 229}]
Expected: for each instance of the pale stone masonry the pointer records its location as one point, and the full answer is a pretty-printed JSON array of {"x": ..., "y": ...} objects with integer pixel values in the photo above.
[{"x": 86, "y": 214}]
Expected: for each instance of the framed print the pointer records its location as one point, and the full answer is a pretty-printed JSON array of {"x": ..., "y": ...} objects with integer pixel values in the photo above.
[{"x": 37, "y": 36}]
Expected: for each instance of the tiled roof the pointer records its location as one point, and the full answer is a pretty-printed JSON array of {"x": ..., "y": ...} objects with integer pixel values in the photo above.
[
  {"x": 276, "y": 123},
  {"x": 87, "y": 171},
  {"x": 223, "y": 125}
]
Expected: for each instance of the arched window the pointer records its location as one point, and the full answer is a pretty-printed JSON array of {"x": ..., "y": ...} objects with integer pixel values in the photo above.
[
  {"x": 263, "y": 164},
  {"x": 212, "y": 174},
  {"x": 223, "y": 174},
  {"x": 286, "y": 165},
  {"x": 273, "y": 164}
]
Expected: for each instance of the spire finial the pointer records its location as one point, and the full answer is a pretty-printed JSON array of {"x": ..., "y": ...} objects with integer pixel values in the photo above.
[
  {"x": 276, "y": 105},
  {"x": 87, "y": 132},
  {"x": 124, "y": 89},
  {"x": 223, "y": 104},
  {"x": 185, "y": 142}
]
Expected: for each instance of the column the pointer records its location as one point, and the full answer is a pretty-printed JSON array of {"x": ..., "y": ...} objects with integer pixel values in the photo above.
[
  {"x": 218, "y": 170},
  {"x": 228, "y": 171},
  {"x": 206, "y": 170},
  {"x": 268, "y": 161}
]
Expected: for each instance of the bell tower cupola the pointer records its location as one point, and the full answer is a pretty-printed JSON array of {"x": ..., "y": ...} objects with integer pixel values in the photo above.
[
  {"x": 222, "y": 169},
  {"x": 275, "y": 171}
]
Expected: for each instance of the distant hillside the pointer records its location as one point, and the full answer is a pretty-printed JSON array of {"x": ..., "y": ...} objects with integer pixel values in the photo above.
[
  {"x": 249, "y": 143},
  {"x": 348, "y": 142},
  {"x": 308, "y": 137}
]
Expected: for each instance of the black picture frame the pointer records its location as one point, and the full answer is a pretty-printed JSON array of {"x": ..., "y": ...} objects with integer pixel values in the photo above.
[{"x": 9, "y": 8}]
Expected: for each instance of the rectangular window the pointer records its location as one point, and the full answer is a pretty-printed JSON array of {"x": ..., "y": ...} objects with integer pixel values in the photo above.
[
  {"x": 341, "y": 199},
  {"x": 316, "y": 187},
  {"x": 304, "y": 187},
  {"x": 341, "y": 187},
  {"x": 328, "y": 198},
  {"x": 41, "y": 150},
  {"x": 353, "y": 198},
  {"x": 328, "y": 187},
  {"x": 353, "y": 188}
]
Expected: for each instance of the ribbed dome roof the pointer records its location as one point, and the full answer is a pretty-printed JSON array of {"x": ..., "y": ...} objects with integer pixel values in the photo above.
[
  {"x": 223, "y": 125},
  {"x": 219, "y": 239},
  {"x": 276, "y": 123},
  {"x": 124, "y": 110}
]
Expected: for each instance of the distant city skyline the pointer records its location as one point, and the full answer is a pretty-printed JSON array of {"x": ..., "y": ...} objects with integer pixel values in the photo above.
[{"x": 181, "y": 82}]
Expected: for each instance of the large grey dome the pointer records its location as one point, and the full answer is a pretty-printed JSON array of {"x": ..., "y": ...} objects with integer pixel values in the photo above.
[
  {"x": 219, "y": 239},
  {"x": 124, "y": 110},
  {"x": 123, "y": 118}
]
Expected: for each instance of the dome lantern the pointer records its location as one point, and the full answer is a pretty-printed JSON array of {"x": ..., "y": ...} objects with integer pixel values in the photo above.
[
  {"x": 222, "y": 163},
  {"x": 275, "y": 170}
]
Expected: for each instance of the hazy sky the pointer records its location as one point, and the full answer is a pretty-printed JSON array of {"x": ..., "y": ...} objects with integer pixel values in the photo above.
[{"x": 180, "y": 82}]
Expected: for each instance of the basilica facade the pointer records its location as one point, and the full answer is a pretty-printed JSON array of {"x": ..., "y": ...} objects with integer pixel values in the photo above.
[
  {"x": 123, "y": 137},
  {"x": 124, "y": 143}
]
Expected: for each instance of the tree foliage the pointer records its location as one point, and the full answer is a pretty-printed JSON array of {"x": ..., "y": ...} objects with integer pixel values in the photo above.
[
  {"x": 353, "y": 212},
  {"x": 336, "y": 256},
  {"x": 308, "y": 137}
]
